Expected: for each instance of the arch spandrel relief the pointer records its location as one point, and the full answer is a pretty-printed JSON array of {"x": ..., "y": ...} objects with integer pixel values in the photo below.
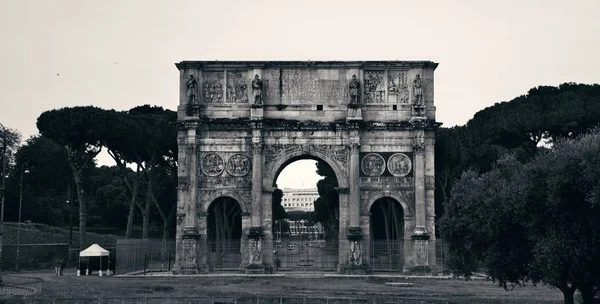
[
  {"x": 405, "y": 198},
  {"x": 206, "y": 197},
  {"x": 338, "y": 153}
]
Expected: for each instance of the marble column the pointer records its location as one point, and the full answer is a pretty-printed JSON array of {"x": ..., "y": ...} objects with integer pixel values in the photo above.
[
  {"x": 420, "y": 236},
  {"x": 353, "y": 175},
  {"x": 355, "y": 234},
  {"x": 256, "y": 233},
  {"x": 188, "y": 250}
]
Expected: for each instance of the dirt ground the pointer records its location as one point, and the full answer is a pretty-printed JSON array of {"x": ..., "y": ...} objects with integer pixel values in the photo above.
[{"x": 294, "y": 286}]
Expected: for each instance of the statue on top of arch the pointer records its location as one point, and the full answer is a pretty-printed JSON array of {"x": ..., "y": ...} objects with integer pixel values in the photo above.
[{"x": 354, "y": 87}]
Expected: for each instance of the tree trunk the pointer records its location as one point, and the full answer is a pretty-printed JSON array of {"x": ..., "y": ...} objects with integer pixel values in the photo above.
[
  {"x": 587, "y": 294},
  {"x": 134, "y": 194},
  {"x": 568, "y": 293},
  {"x": 146, "y": 214},
  {"x": 82, "y": 211},
  {"x": 386, "y": 222},
  {"x": 80, "y": 198},
  {"x": 130, "y": 219},
  {"x": 568, "y": 297}
]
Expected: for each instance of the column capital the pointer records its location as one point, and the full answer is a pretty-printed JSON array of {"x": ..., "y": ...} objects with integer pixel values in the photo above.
[
  {"x": 342, "y": 190},
  {"x": 256, "y": 232},
  {"x": 354, "y": 147},
  {"x": 257, "y": 147},
  {"x": 269, "y": 189},
  {"x": 419, "y": 143},
  {"x": 190, "y": 147}
]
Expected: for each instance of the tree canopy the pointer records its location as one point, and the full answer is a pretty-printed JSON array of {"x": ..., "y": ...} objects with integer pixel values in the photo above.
[
  {"x": 521, "y": 126},
  {"x": 535, "y": 221}
]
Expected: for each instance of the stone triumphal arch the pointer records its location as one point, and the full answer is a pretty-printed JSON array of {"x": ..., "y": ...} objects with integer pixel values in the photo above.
[{"x": 240, "y": 123}]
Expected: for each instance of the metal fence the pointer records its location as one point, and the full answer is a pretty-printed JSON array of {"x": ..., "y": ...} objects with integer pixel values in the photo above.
[
  {"x": 224, "y": 255},
  {"x": 288, "y": 255},
  {"x": 133, "y": 255},
  {"x": 386, "y": 256},
  {"x": 313, "y": 255},
  {"x": 441, "y": 254},
  {"x": 18, "y": 285},
  {"x": 218, "y": 300}
]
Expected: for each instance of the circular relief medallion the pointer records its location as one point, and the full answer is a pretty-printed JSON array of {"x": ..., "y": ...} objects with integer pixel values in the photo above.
[
  {"x": 212, "y": 164},
  {"x": 372, "y": 164},
  {"x": 399, "y": 164},
  {"x": 238, "y": 165}
]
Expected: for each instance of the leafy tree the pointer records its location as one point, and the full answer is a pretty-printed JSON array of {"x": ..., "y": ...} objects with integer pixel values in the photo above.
[
  {"x": 108, "y": 197},
  {"x": 123, "y": 145},
  {"x": 538, "y": 221},
  {"x": 327, "y": 206},
  {"x": 520, "y": 126},
  {"x": 157, "y": 154},
  {"x": 81, "y": 131},
  {"x": 47, "y": 185},
  {"x": 9, "y": 141}
]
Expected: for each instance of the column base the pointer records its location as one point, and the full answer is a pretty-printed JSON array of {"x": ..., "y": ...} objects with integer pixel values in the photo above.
[
  {"x": 356, "y": 269},
  {"x": 419, "y": 270},
  {"x": 255, "y": 261},
  {"x": 256, "y": 112},
  {"x": 354, "y": 113},
  {"x": 255, "y": 269}
]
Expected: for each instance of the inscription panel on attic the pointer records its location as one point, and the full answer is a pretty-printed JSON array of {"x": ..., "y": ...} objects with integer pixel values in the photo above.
[{"x": 314, "y": 86}]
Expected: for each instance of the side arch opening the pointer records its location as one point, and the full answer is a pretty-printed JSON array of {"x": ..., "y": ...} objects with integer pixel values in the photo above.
[
  {"x": 386, "y": 235},
  {"x": 224, "y": 234}
]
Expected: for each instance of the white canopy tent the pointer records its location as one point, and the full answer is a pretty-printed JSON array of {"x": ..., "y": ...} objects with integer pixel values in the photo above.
[{"x": 93, "y": 251}]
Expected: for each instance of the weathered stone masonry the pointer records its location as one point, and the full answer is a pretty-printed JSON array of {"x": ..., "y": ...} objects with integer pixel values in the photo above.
[{"x": 241, "y": 123}]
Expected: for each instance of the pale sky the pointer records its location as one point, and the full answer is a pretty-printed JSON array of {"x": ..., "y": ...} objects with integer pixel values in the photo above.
[{"x": 119, "y": 54}]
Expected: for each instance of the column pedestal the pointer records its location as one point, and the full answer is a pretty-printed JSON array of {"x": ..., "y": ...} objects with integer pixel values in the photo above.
[
  {"x": 188, "y": 262},
  {"x": 418, "y": 112},
  {"x": 354, "y": 113},
  {"x": 255, "y": 259},
  {"x": 355, "y": 252},
  {"x": 420, "y": 239}
]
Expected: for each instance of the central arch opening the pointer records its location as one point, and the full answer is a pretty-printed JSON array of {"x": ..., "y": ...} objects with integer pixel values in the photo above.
[
  {"x": 224, "y": 233},
  {"x": 387, "y": 235},
  {"x": 305, "y": 215}
]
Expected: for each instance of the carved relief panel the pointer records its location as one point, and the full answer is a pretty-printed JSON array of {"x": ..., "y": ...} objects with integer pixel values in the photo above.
[
  {"x": 398, "y": 85},
  {"x": 213, "y": 87},
  {"x": 237, "y": 89},
  {"x": 374, "y": 87}
]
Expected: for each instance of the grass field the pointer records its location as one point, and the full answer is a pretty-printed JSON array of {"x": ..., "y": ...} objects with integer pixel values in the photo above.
[{"x": 423, "y": 291}]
